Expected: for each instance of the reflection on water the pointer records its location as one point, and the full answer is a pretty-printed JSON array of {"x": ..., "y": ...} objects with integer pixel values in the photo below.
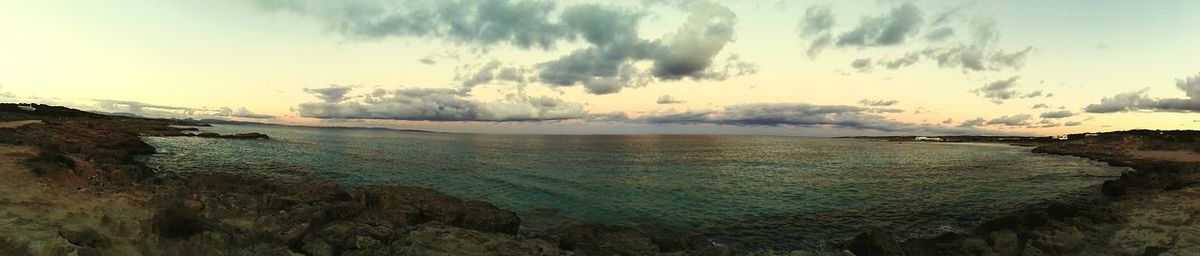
[{"x": 782, "y": 192}]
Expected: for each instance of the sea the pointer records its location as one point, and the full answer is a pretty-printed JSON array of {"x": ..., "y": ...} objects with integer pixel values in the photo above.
[{"x": 774, "y": 192}]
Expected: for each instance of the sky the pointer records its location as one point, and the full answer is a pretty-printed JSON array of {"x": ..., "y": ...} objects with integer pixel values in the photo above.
[{"x": 809, "y": 68}]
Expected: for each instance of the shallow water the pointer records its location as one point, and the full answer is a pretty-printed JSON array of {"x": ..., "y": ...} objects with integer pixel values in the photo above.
[{"x": 758, "y": 191}]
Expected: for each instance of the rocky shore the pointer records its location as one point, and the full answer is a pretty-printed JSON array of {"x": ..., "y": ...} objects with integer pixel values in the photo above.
[
  {"x": 1150, "y": 211},
  {"x": 72, "y": 187}
]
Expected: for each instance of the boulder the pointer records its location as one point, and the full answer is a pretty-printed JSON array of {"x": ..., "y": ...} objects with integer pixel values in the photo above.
[
  {"x": 602, "y": 239},
  {"x": 484, "y": 216},
  {"x": 872, "y": 242}
]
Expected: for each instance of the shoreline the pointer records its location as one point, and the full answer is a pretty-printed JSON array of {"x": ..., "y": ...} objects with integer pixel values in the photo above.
[{"x": 218, "y": 213}]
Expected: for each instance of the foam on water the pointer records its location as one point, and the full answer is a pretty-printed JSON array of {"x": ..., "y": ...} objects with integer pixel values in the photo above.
[{"x": 760, "y": 191}]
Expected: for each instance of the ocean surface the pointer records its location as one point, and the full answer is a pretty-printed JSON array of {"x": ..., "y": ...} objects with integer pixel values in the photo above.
[{"x": 754, "y": 191}]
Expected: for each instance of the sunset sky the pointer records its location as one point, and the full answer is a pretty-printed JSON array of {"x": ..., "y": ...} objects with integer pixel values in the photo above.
[{"x": 817, "y": 68}]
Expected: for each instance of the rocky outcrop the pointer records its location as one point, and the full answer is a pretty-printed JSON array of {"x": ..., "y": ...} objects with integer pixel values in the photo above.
[
  {"x": 239, "y": 136},
  {"x": 1095, "y": 227}
]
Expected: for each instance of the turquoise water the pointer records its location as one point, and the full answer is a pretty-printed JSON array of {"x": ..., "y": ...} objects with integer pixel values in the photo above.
[{"x": 758, "y": 191}]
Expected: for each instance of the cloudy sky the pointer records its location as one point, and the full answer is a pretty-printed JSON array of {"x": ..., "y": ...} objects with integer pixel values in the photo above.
[{"x": 815, "y": 68}]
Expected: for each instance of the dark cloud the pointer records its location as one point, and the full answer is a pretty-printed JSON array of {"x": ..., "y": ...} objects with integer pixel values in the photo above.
[
  {"x": 975, "y": 58},
  {"x": 471, "y": 76},
  {"x": 1139, "y": 101},
  {"x": 1057, "y": 114},
  {"x": 815, "y": 25},
  {"x": 884, "y": 110},
  {"x": 667, "y": 99},
  {"x": 1040, "y": 105},
  {"x": 436, "y": 104},
  {"x": 999, "y": 91},
  {"x": 331, "y": 94},
  {"x": 878, "y": 103},
  {"x": 524, "y": 24},
  {"x": 795, "y": 114},
  {"x": 607, "y": 65},
  {"x": 427, "y": 61},
  {"x": 1073, "y": 123},
  {"x": 940, "y": 34},
  {"x": 893, "y": 28},
  {"x": 973, "y": 122},
  {"x": 817, "y": 19},
  {"x": 1013, "y": 120},
  {"x": 690, "y": 51}
]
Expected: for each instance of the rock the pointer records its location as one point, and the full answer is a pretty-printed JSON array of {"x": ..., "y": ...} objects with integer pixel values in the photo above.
[
  {"x": 440, "y": 239},
  {"x": 177, "y": 223},
  {"x": 239, "y": 136},
  {"x": 365, "y": 242},
  {"x": 318, "y": 248},
  {"x": 874, "y": 241},
  {"x": 294, "y": 233},
  {"x": 84, "y": 236},
  {"x": 1004, "y": 242},
  {"x": 602, "y": 239},
  {"x": 484, "y": 216},
  {"x": 411, "y": 205}
]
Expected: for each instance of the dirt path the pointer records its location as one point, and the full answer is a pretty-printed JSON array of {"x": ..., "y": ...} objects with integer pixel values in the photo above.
[
  {"x": 15, "y": 124},
  {"x": 38, "y": 219}
]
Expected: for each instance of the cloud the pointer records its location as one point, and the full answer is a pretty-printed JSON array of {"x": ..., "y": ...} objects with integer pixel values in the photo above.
[
  {"x": 1040, "y": 105},
  {"x": 524, "y": 24},
  {"x": 907, "y": 60},
  {"x": 973, "y": 122},
  {"x": 164, "y": 111},
  {"x": 795, "y": 114},
  {"x": 1073, "y": 123},
  {"x": 331, "y": 94},
  {"x": 940, "y": 34},
  {"x": 974, "y": 58},
  {"x": 817, "y": 19},
  {"x": 488, "y": 73},
  {"x": 1057, "y": 114},
  {"x": 608, "y": 65},
  {"x": 689, "y": 52},
  {"x": 816, "y": 23},
  {"x": 437, "y": 104},
  {"x": 948, "y": 121},
  {"x": 241, "y": 112},
  {"x": 1139, "y": 101},
  {"x": 667, "y": 99},
  {"x": 1035, "y": 94},
  {"x": 427, "y": 61},
  {"x": 1013, "y": 120},
  {"x": 605, "y": 66},
  {"x": 862, "y": 65},
  {"x": 818, "y": 45},
  {"x": 889, "y": 29},
  {"x": 978, "y": 53},
  {"x": 998, "y": 91},
  {"x": 878, "y": 103}
]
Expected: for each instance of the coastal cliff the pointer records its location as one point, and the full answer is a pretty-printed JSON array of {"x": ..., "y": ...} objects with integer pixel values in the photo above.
[{"x": 72, "y": 186}]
